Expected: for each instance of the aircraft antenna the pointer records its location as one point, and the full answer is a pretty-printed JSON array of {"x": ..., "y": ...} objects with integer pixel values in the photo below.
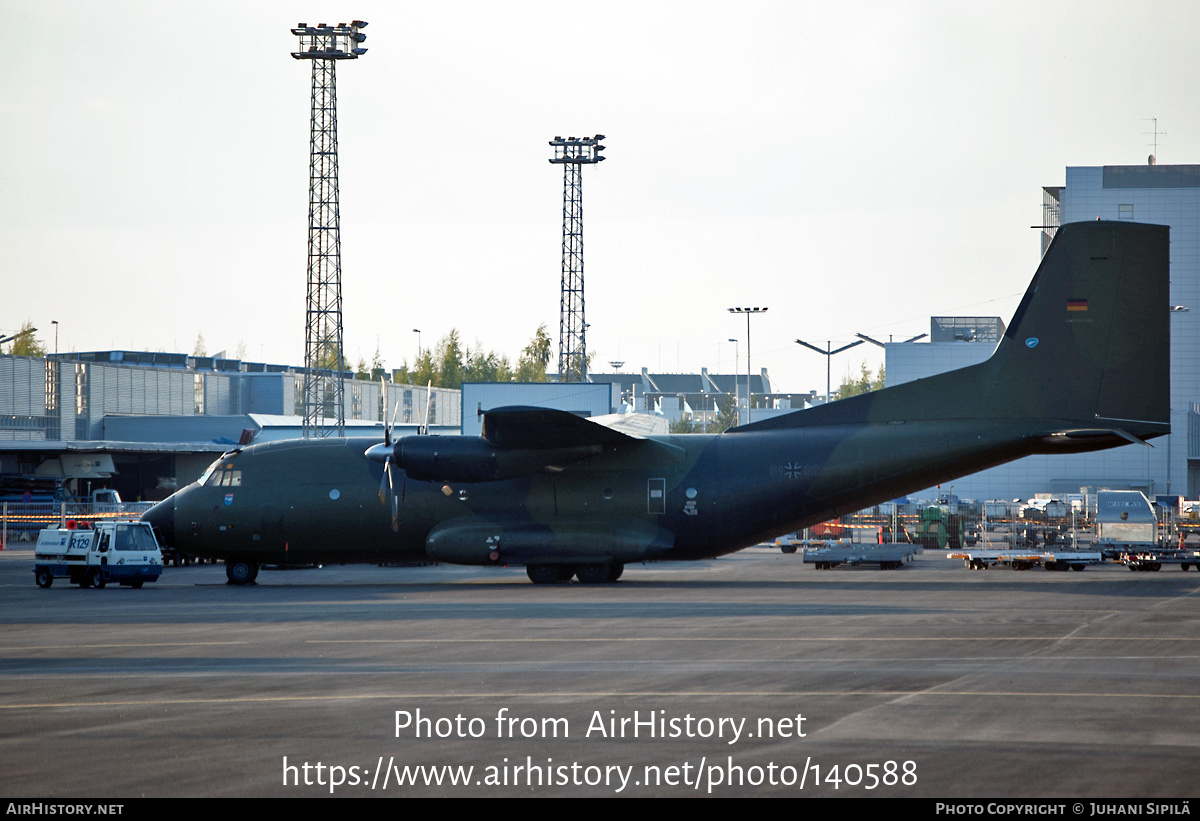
[
  {"x": 572, "y": 154},
  {"x": 324, "y": 366}
]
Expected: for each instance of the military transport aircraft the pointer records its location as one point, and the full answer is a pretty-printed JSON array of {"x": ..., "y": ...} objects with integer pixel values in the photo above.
[{"x": 1083, "y": 366}]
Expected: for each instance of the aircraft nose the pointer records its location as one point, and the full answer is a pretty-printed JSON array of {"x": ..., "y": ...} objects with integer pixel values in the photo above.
[{"x": 162, "y": 518}]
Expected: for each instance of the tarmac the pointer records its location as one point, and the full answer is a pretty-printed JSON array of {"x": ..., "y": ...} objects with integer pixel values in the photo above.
[{"x": 750, "y": 675}]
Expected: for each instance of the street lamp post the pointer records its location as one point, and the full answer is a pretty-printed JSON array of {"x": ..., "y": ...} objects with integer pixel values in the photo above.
[
  {"x": 828, "y": 354},
  {"x": 749, "y": 393},
  {"x": 737, "y": 389}
]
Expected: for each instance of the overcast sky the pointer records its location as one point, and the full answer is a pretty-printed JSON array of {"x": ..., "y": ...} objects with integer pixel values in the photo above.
[{"x": 854, "y": 166}]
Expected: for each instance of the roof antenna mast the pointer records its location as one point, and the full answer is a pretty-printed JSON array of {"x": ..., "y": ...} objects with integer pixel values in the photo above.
[{"x": 1153, "y": 158}]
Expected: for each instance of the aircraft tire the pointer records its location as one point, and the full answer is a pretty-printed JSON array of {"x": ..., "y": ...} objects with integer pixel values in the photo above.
[
  {"x": 239, "y": 572},
  {"x": 615, "y": 573},
  {"x": 593, "y": 573},
  {"x": 43, "y": 577},
  {"x": 543, "y": 573}
]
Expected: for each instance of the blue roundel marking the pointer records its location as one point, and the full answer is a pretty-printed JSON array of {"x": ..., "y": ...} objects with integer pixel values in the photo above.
[{"x": 1031, "y": 342}]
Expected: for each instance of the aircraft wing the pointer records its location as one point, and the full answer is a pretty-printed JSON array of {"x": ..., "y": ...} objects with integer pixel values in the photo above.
[
  {"x": 530, "y": 428},
  {"x": 637, "y": 425}
]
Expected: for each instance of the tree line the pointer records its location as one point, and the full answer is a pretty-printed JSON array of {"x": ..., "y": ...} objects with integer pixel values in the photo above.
[{"x": 449, "y": 363}]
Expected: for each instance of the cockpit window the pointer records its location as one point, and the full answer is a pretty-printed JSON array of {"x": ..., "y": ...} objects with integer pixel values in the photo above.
[
  {"x": 212, "y": 476},
  {"x": 221, "y": 474},
  {"x": 203, "y": 480}
]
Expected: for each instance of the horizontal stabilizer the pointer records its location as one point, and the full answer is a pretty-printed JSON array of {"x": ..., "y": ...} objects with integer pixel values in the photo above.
[{"x": 1091, "y": 435}]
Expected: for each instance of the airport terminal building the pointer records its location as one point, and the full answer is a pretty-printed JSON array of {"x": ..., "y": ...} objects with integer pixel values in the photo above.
[
  {"x": 142, "y": 422},
  {"x": 1158, "y": 194}
]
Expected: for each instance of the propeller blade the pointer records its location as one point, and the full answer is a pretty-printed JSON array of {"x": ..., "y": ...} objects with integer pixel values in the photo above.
[
  {"x": 391, "y": 490},
  {"x": 428, "y": 396},
  {"x": 387, "y": 430},
  {"x": 386, "y": 477},
  {"x": 395, "y": 504}
]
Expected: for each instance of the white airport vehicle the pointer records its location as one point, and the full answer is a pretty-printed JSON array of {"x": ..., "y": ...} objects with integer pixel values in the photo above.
[
  {"x": 106, "y": 500},
  {"x": 1155, "y": 559},
  {"x": 1125, "y": 523},
  {"x": 887, "y": 556},
  {"x": 1025, "y": 559},
  {"x": 123, "y": 552}
]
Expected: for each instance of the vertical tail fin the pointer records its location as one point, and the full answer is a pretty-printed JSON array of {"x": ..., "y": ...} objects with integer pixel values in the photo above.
[
  {"x": 1091, "y": 338},
  {"x": 1089, "y": 347}
]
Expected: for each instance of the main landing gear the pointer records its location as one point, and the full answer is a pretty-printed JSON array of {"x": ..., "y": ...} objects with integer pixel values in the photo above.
[
  {"x": 239, "y": 572},
  {"x": 586, "y": 573}
]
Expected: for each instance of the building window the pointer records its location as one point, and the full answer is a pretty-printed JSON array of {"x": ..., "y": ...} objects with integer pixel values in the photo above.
[
  {"x": 81, "y": 389},
  {"x": 53, "y": 419},
  {"x": 1124, "y": 212},
  {"x": 198, "y": 394}
]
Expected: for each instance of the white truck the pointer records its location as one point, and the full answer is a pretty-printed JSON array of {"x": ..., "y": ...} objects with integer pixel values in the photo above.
[
  {"x": 1125, "y": 522},
  {"x": 123, "y": 552},
  {"x": 106, "y": 500}
]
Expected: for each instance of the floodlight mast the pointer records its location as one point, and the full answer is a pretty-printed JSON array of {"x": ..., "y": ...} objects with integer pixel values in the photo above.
[
  {"x": 324, "y": 365},
  {"x": 749, "y": 393},
  {"x": 572, "y": 154}
]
